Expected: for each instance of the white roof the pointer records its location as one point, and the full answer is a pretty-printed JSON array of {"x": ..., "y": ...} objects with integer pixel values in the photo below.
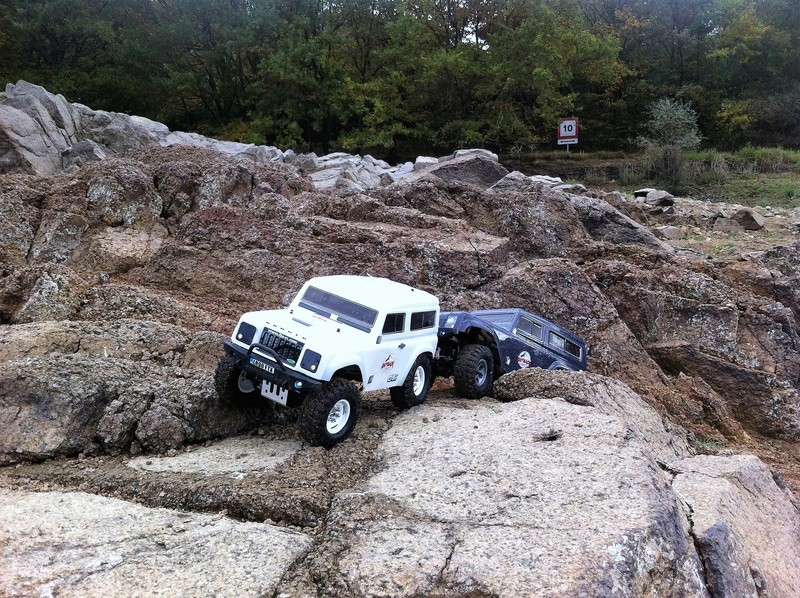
[{"x": 378, "y": 293}]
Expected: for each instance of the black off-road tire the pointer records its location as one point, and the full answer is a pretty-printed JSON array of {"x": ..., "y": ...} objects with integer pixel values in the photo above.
[
  {"x": 416, "y": 385},
  {"x": 473, "y": 372},
  {"x": 232, "y": 384},
  {"x": 322, "y": 421}
]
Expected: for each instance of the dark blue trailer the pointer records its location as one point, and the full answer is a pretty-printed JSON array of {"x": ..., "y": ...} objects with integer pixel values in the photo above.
[{"x": 477, "y": 347}]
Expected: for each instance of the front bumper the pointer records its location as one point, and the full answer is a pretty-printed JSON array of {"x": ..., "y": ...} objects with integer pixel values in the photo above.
[{"x": 281, "y": 375}]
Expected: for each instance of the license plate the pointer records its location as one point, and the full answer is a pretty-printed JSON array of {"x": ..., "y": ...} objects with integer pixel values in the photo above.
[
  {"x": 261, "y": 365},
  {"x": 273, "y": 392}
]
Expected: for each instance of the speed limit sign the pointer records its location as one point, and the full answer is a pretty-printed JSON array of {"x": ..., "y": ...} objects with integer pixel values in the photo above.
[{"x": 567, "y": 131}]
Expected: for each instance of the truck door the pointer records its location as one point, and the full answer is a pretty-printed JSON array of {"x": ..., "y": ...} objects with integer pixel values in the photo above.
[
  {"x": 388, "y": 363},
  {"x": 534, "y": 355}
]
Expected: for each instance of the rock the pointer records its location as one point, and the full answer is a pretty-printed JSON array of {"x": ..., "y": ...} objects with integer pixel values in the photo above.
[
  {"x": 749, "y": 219},
  {"x": 82, "y": 152},
  {"x": 606, "y": 395},
  {"x": 470, "y": 168},
  {"x": 25, "y": 145},
  {"x": 741, "y": 519},
  {"x": 658, "y": 198},
  {"x": 54, "y": 296},
  {"x": 73, "y": 543},
  {"x": 513, "y": 181},
  {"x": 233, "y": 456},
  {"x": 472, "y": 152},
  {"x": 670, "y": 233},
  {"x": 727, "y": 225},
  {"x": 423, "y": 162},
  {"x": 643, "y": 192},
  {"x": 65, "y": 386},
  {"x": 571, "y": 188},
  {"x": 707, "y": 327},
  {"x": 115, "y": 131},
  {"x": 606, "y": 223},
  {"x": 547, "y": 181}
]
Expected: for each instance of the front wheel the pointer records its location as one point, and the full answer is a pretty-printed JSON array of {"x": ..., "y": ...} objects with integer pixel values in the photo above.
[
  {"x": 416, "y": 385},
  {"x": 329, "y": 415},
  {"x": 473, "y": 373},
  {"x": 233, "y": 385}
]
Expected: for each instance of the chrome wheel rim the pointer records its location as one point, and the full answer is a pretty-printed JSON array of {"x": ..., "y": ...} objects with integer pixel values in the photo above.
[
  {"x": 245, "y": 384},
  {"x": 481, "y": 373},
  {"x": 419, "y": 380},
  {"x": 338, "y": 417}
]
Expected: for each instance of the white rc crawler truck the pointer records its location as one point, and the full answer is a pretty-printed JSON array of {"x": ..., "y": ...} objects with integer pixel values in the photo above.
[{"x": 339, "y": 335}]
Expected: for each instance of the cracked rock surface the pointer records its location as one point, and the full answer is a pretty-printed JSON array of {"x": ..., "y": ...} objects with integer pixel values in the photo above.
[{"x": 77, "y": 544}]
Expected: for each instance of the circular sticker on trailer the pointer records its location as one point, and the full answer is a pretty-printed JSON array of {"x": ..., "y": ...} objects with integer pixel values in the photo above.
[{"x": 524, "y": 360}]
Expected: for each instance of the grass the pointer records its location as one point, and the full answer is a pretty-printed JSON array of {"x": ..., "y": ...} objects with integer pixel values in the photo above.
[{"x": 751, "y": 176}]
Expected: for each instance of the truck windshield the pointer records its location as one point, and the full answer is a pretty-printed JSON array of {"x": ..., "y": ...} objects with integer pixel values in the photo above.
[
  {"x": 502, "y": 319},
  {"x": 339, "y": 309}
]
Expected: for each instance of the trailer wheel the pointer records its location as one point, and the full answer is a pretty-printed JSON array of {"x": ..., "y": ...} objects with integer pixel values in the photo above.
[{"x": 473, "y": 372}]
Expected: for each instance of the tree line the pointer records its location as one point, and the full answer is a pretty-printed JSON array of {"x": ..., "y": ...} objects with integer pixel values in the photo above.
[{"x": 396, "y": 78}]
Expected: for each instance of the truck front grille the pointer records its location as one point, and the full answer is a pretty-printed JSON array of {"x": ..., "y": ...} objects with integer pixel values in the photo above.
[{"x": 287, "y": 348}]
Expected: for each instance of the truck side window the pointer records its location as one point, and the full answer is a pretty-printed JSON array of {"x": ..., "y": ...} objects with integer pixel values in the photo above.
[
  {"x": 423, "y": 319},
  {"x": 394, "y": 323},
  {"x": 572, "y": 348},
  {"x": 556, "y": 340},
  {"x": 530, "y": 328}
]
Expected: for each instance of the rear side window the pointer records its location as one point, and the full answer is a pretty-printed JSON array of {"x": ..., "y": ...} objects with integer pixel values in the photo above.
[
  {"x": 423, "y": 319},
  {"x": 530, "y": 328},
  {"x": 572, "y": 348},
  {"x": 556, "y": 340},
  {"x": 394, "y": 323}
]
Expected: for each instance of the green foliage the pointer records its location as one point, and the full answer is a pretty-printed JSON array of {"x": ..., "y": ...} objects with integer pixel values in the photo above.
[
  {"x": 672, "y": 130},
  {"x": 393, "y": 77},
  {"x": 672, "y": 123}
]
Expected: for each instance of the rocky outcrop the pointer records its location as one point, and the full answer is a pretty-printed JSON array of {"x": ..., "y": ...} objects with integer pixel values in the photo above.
[
  {"x": 451, "y": 518},
  {"x": 744, "y": 346},
  {"x": 68, "y": 388},
  {"x": 741, "y": 518},
  {"x": 121, "y": 275}
]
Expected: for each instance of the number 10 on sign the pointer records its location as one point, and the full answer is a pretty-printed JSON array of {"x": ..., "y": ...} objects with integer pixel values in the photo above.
[{"x": 567, "y": 131}]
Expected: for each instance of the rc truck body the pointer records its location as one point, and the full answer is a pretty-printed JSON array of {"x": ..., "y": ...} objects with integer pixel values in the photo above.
[
  {"x": 478, "y": 347},
  {"x": 339, "y": 335}
]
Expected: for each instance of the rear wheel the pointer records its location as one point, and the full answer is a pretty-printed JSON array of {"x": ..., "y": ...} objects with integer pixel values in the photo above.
[
  {"x": 329, "y": 415},
  {"x": 473, "y": 373},
  {"x": 234, "y": 386},
  {"x": 416, "y": 385}
]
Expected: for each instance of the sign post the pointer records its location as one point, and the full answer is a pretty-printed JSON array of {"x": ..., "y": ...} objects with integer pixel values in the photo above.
[{"x": 568, "y": 131}]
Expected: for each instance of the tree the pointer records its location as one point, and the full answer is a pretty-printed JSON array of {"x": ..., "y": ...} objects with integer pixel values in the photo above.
[{"x": 672, "y": 130}]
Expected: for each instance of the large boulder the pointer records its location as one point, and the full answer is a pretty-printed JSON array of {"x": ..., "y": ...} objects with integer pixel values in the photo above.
[
  {"x": 535, "y": 497},
  {"x": 56, "y": 543},
  {"x": 68, "y": 388},
  {"x": 743, "y": 345},
  {"x": 745, "y": 525}
]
